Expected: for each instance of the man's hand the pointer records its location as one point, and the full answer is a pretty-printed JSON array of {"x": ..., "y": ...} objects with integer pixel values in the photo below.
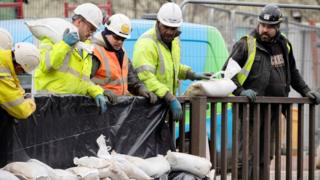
[
  {"x": 249, "y": 93},
  {"x": 147, "y": 94},
  {"x": 314, "y": 95},
  {"x": 195, "y": 76},
  {"x": 101, "y": 102},
  {"x": 175, "y": 106},
  {"x": 112, "y": 97},
  {"x": 71, "y": 38}
]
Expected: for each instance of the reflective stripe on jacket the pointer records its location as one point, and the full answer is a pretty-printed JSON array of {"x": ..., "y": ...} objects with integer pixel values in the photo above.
[
  {"x": 158, "y": 67},
  {"x": 111, "y": 75},
  {"x": 63, "y": 70},
  {"x": 251, "y": 44},
  {"x": 11, "y": 93}
]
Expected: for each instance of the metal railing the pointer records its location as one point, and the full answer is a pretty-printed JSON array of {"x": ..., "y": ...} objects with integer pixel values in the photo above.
[{"x": 262, "y": 109}]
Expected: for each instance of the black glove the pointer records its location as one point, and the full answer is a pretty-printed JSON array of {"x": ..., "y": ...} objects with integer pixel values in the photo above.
[
  {"x": 113, "y": 98},
  {"x": 194, "y": 76},
  {"x": 147, "y": 94},
  {"x": 251, "y": 94},
  {"x": 314, "y": 95}
]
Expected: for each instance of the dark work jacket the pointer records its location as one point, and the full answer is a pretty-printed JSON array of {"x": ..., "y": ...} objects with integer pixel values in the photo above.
[
  {"x": 259, "y": 75},
  {"x": 133, "y": 81}
]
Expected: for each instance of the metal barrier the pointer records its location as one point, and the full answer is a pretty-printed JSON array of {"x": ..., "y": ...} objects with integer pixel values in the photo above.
[
  {"x": 262, "y": 109},
  {"x": 18, "y": 5}
]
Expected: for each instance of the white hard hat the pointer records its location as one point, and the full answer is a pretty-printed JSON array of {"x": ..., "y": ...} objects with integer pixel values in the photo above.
[
  {"x": 91, "y": 13},
  {"x": 170, "y": 15},
  {"x": 6, "y": 41},
  {"x": 120, "y": 25},
  {"x": 27, "y": 55}
]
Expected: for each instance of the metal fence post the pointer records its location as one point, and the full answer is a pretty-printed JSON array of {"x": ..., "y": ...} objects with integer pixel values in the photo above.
[{"x": 198, "y": 125}]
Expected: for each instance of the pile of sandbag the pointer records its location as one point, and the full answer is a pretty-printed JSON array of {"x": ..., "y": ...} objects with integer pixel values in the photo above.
[{"x": 111, "y": 166}]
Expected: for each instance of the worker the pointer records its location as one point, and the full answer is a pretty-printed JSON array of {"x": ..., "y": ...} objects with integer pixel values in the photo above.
[
  {"x": 65, "y": 69},
  {"x": 156, "y": 58},
  {"x": 268, "y": 69},
  {"x": 23, "y": 58},
  {"x": 112, "y": 68}
]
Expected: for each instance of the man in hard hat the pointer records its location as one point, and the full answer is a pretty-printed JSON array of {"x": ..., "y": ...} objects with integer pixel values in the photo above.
[
  {"x": 23, "y": 58},
  {"x": 268, "y": 69},
  {"x": 111, "y": 67},
  {"x": 63, "y": 68},
  {"x": 6, "y": 41},
  {"x": 156, "y": 58}
]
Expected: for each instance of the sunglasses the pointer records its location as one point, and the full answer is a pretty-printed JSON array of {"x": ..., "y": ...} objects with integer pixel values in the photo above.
[{"x": 118, "y": 38}]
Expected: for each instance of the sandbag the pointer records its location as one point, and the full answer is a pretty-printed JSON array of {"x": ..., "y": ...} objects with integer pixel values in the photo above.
[
  {"x": 64, "y": 175},
  {"x": 53, "y": 28},
  {"x": 103, "y": 151},
  {"x": 50, "y": 171},
  {"x": 98, "y": 39},
  {"x": 211, "y": 88},
  {"x": 85, "y": 173},
  {"x": 27, "y": 170},
  {"x": 91, "y": 162},
  {"x": 158, "y": 166},
  {"x": 6, "y": 175},
  {"x": 150, "y": 167},
  {"x": 114, "y": 172},
  {"x": 132, "y": 171},
  {"x": 189, "y": 163}
]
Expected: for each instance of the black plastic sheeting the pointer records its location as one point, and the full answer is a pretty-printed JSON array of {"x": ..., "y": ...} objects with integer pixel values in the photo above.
[{"x": 64, "y": 127}]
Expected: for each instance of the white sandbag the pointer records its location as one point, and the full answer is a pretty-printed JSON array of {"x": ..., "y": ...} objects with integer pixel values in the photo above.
[
  {"x": 6, "y": 175},
  {"x": 189, "y": 163},
  {"x": 51, "y": 173},
  {"x": 53, "y": 28},
  {"x": 103, "y": 151},
  {"x": 85, "y": 173},
  {"x": 98, "y": 39},
  {"x": 158, "y": 166},
  {"x": 212, "y": 174},
  {"x": 151, "y": 168},
  {"x": 91, "y": 162},
  {"x": 318, "y": 157},
  {"x": 64, "y": 175},
  {"x": 232, "y": 69},
  {"x": 132, "y": 171},
  {"x": 211, "y": 88},
  {"x": 114, "y": 172},
  {"x": 27, "y": 170}
]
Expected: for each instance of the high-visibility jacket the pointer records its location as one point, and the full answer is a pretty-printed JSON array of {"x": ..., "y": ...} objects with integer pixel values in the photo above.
[
  {"x": 111, "y": 75},
  {"x": 11, "y": 93},
  {"x": 157, "y": 66},
  {"x": 251, "y": 43},
  {"x": 62, "y": 70}
]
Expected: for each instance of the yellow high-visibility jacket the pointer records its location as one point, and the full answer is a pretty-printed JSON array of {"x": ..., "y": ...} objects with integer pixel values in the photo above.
[
  {"x": 62, "y": 70},
  {"x": 11, "y": 93},
  {"x": 158, "y": 67}
]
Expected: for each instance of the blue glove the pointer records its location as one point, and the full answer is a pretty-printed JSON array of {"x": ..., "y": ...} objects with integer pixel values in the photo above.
[
  {"x": 251, "y": 94},
  {"x": 70, "y": 38},
  {"x": 314, "y": 95},
  {"x": 101, "y": 102},
  {"x": 176, "y": 109}
]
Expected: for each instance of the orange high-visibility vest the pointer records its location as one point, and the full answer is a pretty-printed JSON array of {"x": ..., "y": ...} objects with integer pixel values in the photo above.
[{"x": 110, "y": 75}]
